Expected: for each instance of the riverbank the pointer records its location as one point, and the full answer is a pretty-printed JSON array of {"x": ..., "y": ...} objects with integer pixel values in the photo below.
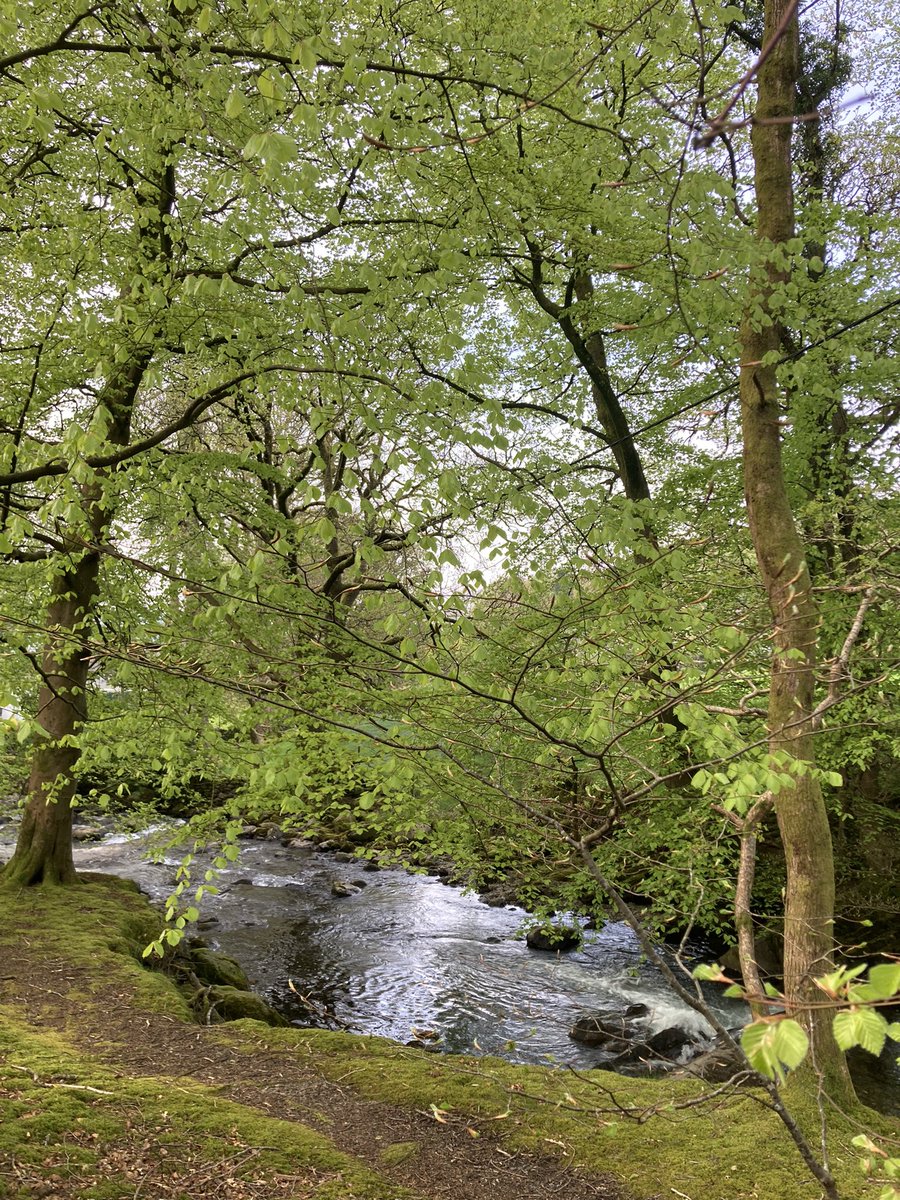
[{"x": 110, "y": 1090}]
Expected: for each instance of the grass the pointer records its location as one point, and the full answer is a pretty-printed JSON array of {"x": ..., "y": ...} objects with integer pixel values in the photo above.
[{"x": 67, "y": 1115}]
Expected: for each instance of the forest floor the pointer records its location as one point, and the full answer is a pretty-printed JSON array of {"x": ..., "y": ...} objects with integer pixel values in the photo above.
[{"x": 108, "y": 1090}]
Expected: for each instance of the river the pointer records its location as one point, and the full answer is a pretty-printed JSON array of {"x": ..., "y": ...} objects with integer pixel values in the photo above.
[{"x": 408, "y": 955}]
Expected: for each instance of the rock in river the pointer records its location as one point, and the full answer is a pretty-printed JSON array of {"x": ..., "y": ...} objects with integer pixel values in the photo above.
[{"x": 553, "y": 937}]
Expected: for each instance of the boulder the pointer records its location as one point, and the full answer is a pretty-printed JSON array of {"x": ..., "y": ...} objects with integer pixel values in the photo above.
[
  {"x": 669, "y": 1042},
  {"x": 222, "y": 1003},
  {"x": 634, "y": 1011},
  {"x": 717, "y": 1065},
  {"x": 601, "y": 1029},
  {"x": 87, "y": 833},
  {"x": 667, "y": 1045},
  {"x": 341, "y": 887},
  {"x": 211, "y": 967},
  {"x": 553, "y": 937}
]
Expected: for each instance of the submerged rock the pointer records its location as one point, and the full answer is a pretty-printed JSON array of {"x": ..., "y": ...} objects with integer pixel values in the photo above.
[
  {"x": 340, "y": 887},
  {"x": 666, "y": 1045},
  {"x": 601, "y": 1029}
]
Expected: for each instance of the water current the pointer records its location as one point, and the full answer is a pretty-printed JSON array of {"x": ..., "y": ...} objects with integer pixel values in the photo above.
[{"x": 407, "y": 955}]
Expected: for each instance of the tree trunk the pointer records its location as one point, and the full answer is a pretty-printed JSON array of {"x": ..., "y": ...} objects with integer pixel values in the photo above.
[
  {"x": 781, "y": 558},
  {"x": 44, "y": 848},
  {"x": 43, "y": 851}
]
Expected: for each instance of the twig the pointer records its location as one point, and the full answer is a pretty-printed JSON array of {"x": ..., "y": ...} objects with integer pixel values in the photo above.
[
  {"x": 717, "y": 124},
  {"x": 838, "y": 672}
]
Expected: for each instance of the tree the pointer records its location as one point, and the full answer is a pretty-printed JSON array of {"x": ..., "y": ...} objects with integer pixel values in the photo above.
[
  {"x": 338, "y": 302},
  {"x": 782, "y": 558}
]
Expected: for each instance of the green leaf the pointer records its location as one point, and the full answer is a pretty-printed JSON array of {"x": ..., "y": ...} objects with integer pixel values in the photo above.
[
  {"x": 713, "y": 973},
  {"x": 772, "y": 1046},
  {"x": 862, "y": 1027},
  {"x": 235, "y": 104},
  {"x": 790, "y": 1043},
  {"x": 305, "y": 55},
  {"x": 885, "y": 980}
]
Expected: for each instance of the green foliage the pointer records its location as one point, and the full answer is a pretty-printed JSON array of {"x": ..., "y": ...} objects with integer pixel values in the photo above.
[{"x": 773, "y": 1048}]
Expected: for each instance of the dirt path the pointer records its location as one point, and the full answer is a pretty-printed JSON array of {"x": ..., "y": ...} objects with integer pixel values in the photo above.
[{"x": 452, "y": 1159}]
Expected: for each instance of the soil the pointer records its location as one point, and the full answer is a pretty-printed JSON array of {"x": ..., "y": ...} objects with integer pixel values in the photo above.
[{"x": 454, "y": 1158}]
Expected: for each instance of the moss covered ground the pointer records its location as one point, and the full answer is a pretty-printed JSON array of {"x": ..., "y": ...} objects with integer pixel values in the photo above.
[{"x": 108, "y": 1090}]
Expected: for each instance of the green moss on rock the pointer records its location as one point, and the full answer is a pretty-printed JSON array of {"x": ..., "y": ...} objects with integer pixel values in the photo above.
[
  {"x": 235, "y": 1004},
  {"x": 211, "y": 967}
]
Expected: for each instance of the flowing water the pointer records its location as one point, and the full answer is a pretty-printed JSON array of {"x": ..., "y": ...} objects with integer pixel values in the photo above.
[{"x": 408, "y": 955}]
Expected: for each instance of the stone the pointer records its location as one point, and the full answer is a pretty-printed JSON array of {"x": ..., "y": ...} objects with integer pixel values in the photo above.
[
  {"x": 601, "y": 1029},
  {"x": 554, "y": 938},
  {"x": 371, "y": 865},
  {"x": 341, "y": 887},
  {"x": 211, "y": 967},
  {"x": 669, "y": 1042},
  {"x": 87, "y": 833},
  {"x": 222, "y": 1003},
  {"x": 713, "y": 1066},
  {"x": 344, "y": 856},
  {"x": 666, "y": 1045}
]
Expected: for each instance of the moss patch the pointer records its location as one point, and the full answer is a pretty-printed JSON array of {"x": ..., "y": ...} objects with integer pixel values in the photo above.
[
  {"x": 731, "y": 1149},
  {"x": 399, "y": 1152},
  {"x": 80, "y": 1128},
  {"x": 101, "y": 925}
]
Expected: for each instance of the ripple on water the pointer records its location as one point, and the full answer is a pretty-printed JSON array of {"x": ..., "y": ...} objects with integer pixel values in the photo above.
[{"x": 408, "y": 952}]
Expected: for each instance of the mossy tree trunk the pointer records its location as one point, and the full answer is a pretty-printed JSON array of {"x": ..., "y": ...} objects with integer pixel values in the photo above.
[
  {"x": 44, "y": 848},
  {"x": 781, "y": 558},
  {"x": 43, "y": 851}
]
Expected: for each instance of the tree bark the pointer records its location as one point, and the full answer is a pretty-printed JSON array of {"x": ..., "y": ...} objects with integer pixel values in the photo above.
[
  {"x": 781, "y": 559},
  {"x": 43, "y": 851}
]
